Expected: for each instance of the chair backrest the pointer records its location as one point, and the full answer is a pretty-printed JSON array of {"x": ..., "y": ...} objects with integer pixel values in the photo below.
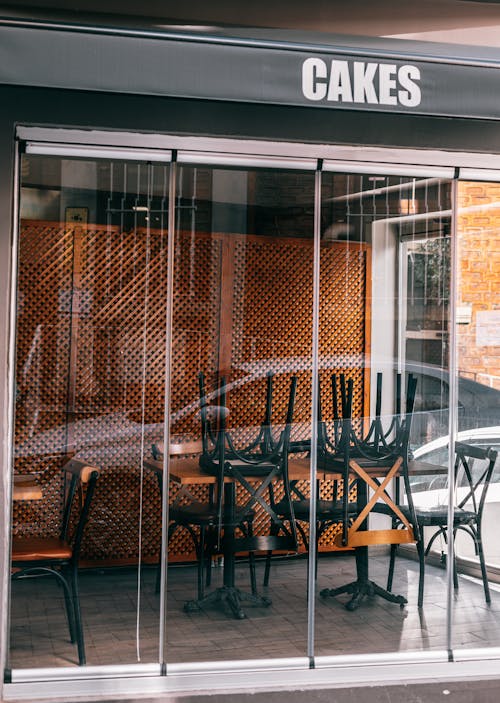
[
  {"x": 260, "y": 462},
  {"x": 179, "y": 448},
  {"x": 375, "y": 460},
  {"x": 212, "y": 416},
  {"x": 80, "y": 482},
  {"x": 473, "y": 469},
  {"x": 255, "y": 475}
]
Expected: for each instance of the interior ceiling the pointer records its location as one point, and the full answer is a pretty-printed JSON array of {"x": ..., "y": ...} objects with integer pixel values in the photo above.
[{"x": 464, "y": 21}]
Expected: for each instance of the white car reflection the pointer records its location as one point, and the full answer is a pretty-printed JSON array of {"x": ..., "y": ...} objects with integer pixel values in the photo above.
[{"x": 433, "y": 490}]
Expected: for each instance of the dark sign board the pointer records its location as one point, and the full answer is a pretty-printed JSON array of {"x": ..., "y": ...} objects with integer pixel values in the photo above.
[{"x": 211, "y": 68}]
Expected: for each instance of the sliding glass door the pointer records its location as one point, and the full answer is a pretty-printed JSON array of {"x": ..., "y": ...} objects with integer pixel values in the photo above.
[
  {"x": 478, "y": 412},
  {"x": 164, "y": 305},
  {"x": 89, "y": 388},
  {"x": 384, "y": 293},
  {"x": 241, "y": 331}
]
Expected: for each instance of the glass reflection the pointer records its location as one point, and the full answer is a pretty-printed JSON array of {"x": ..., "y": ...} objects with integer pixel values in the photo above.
[
  {"x": 90, "y": 357},
  {"x": 391, "y": 238},
  {"x": 478, "y": 411},
  {"x": 242, "y": 318}
]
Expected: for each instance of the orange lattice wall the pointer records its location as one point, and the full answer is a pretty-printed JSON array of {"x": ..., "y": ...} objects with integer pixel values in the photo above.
[{"x": 91, "y": 356}]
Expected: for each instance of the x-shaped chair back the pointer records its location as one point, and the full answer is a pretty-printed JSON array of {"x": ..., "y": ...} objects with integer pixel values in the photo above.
[
  {"x": 477, "y": 485},
  {"x": 255, "y": 468},
  {"x": 375, "y": 466}
]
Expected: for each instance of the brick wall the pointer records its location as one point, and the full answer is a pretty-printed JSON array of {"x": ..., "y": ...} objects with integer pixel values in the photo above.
[{"x": 479, "y": 281}]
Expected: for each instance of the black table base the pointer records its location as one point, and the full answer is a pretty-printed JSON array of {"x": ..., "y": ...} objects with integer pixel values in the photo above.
[
  {"x": 230, "y": 596},
  {"x": 361, "y": 590}
]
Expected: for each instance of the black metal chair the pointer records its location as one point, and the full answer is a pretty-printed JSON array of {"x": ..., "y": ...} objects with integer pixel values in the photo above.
[
  {"x": 202, "y": 519},
  {"x": 373, "y": 461},
  {"x": 328, "y": 511},
  {"x": 59, "y": 556},
  {"x": 471, "y": 487},
  {"x": 198, "y": 518},
  {"x": 243, "y": 479}
]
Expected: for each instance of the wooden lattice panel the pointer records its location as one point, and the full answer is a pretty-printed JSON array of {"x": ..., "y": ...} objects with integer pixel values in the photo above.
[
  {"x": 272, "y": 324},
  {"x": 91, "y": 357},
  {"x": 343, "y": 345},
  {"x": 42, "y": 367},
  {"x": 196, "y": 323}
]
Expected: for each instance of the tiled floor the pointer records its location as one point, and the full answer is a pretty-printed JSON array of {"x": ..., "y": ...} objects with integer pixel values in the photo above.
[{"x": 39, "y": 635}]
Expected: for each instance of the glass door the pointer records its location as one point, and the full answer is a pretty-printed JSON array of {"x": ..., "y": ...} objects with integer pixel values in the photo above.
[
  {"x": 241, "y": 332},
  {"x": 478, "y": 413},
  {"x": 158, "y": 344},
  {"x": 384, "y": 282},
  {"x": 89, "y": 392}
]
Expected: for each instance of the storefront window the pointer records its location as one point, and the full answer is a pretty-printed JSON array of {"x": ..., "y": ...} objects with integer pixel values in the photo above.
[
  {"x": 478, "y": 409},
  {"x": 392, "y": 235},
  {"x": 242, "y": 333},
  {"x": 263, "y": 364},
  {"x": 90, "y": 360}
]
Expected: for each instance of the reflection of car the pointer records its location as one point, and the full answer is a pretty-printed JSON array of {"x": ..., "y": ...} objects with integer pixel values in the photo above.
[
  {"x": 436, "y": 452},
  {"x": 478, "y": 404},
  {"x": 433, "y": 490}
]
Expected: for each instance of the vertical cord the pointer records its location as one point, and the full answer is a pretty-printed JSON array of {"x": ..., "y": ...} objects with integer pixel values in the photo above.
[
  {"x": 452, "y": 415},
  {"x": 192, "y": 241},
  {"x": 143, "y": 400},
  {"x": 311, "y": 577}
]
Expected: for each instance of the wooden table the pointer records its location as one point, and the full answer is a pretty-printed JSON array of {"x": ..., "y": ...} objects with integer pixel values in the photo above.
[{"x": 187, "y": 471}]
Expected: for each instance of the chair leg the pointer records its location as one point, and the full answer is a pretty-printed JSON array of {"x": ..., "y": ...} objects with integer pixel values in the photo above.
[
  {"x": 421, "y": 575},
  {"x": 253, "y": 578},
  {"x": 78, "y": 616},
  {"x": 484, "y": 573},
  {"x": 70, "y": 611},
  {"x": 210, "y": 545},
  {"x": 392, "y": 562},
  {"x": 267, "y": 569},
  {"x": 201, "y": 563}
]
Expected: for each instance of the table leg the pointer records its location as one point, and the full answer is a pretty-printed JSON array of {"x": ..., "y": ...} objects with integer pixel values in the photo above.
[
  {"x": 228, "y": 594},
  {"x": 362, "y": 587}
]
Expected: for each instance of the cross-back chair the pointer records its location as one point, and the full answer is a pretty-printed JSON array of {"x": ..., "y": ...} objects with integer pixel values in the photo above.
[
  {"x": 373, "y": 462},
  {"x": 244, "y": 477},
  {"x": 197, "y": 517},
  {"x": 328, "y": 511},
  {"x": 59, "y": 556},
  {"x": 473, "y": 468}
]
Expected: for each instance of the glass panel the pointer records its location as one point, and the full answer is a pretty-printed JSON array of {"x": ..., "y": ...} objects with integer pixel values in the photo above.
[
  {"x": 90, "y": 358},
  {"x": 242, "y": 317},
  {"x": 478, "y": 363},
  {"x": 384, "y": 309}
]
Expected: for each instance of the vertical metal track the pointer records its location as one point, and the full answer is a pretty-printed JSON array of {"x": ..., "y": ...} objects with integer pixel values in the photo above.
[
  {"x": 311, "y": 575},
  {"x": 452, "y": 415},
  {"x": 11, "y": 395}
]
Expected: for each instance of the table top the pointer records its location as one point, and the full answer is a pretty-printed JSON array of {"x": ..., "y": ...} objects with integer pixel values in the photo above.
[
  {"x": 187, "y": 471},
  {"x": 26, "y": 488}
]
